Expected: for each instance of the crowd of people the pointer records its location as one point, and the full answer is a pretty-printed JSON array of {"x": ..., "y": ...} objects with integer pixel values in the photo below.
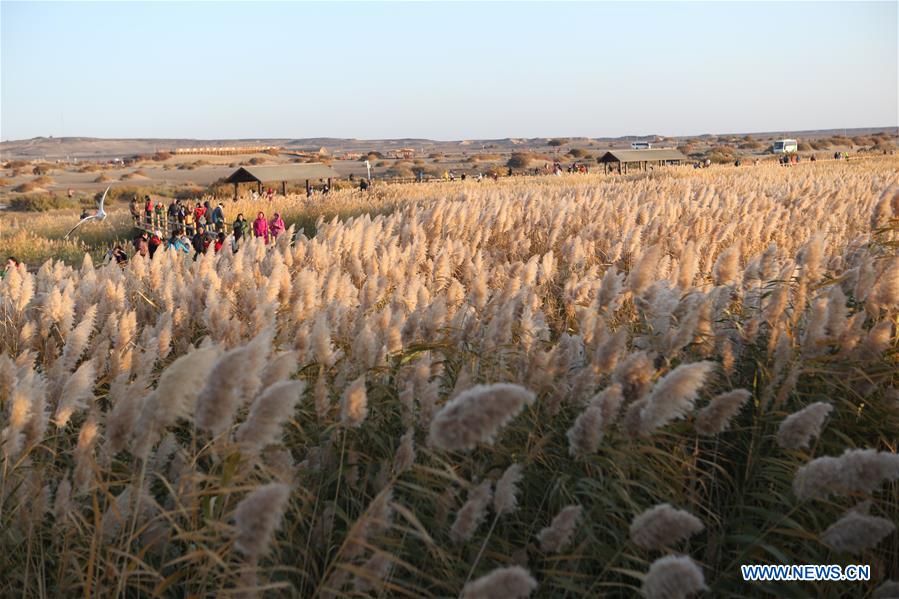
[{"x": 192, "y": 229}]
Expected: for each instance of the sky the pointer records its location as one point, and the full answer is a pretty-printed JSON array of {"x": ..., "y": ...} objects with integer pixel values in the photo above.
[{"x": 445, "y": 71}]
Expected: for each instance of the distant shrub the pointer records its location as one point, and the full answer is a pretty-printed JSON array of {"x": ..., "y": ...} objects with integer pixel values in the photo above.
[
  {"x": 14, "y": 164},
  {"x": 26, "y": 187},
  {"x": 555, "y": 143},
  {"x": 804, "y": 146},
  {"x": 579, "y": 153},
  {"x": 373, "y": 156},
  {"x": 861, "y": 140},
  {"x": 400, "y": 171},
  {"x": 161, "y": 156},
  {"x": 254, "y": 161},
  {"x": 103, "y": 179},
  {"x": 884, "y": 145},
  {"x": 381, "y": 163},
  {"x": 42, "y": 180},
  {"x": 40, "y": 169},
  {"x": 519, "y": 160},
  {"x": 819, "y": 144},
  {"x": 273, "y": 151},
  {"x": 435, "y": 155},
  {"x": 41, "y": 202},
  {"x": 751, "y": 144},
  {"x": 721, "y": 154},
  {"x": 90, "y": 168}
]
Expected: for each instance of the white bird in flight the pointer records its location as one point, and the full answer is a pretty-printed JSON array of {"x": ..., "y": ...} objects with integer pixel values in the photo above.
[{"x": 100, "y": 215}]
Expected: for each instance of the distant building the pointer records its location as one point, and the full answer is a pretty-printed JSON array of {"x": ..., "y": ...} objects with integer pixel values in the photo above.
[
  {"x": 403, "y": 153},
  {"x": 223, "y": 150}
]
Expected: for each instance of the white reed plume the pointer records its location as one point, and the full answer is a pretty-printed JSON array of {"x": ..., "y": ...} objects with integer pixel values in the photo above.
[
  {"x": 279, "y": 368},
  {"x": 354, "y": 404},
  {"x": 126, "y": 403},
  {"x": 673, "y": 395},
  {"x": 689, "y": 261},
  {"x": 717, "y": 415},
  {"x": 84, "y": 453},
  {"x": 405, "y": 453},
  {"x": 267, "y": 416},
  {"x": 78, "y": 389},
  {"x": 322, "y": 347},
  {"x": 476, "y": 416},
  {"x": 19, "y": 413},
  {"x": 472, "y": 513},
  {"x": 258, "y": 516},
  {"x": 76, "y": 341},
  {"x": 505, "y": 500},
  {"x": 888, "y": 590},
  {"x": 797, "y": 430},
  {"x": 513, "y": 582},
  {"x": 226, "y": 386},
  {"x": 856, "y": 471},
  {"x": 586, "y": 433},
  {"x": 727, "y": 267},
  {"x": 609, "y": 402},
  {"x": 373, "y": 572},
  {"x": 558, "y": 535},
  {"x": 857, "y": 530},
  {"x": 175, "y": 396},
  {"x": 662, "y": 526},
  {"x": 673, "y": 577},
  {"x": 641, "y": 275},
  {"x": 634, "y": 374}
]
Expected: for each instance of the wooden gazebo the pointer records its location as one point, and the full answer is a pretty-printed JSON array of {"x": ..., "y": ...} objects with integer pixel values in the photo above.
[
  {"x": 282, "y": 173},
  {"x": 641, "y": 158}
]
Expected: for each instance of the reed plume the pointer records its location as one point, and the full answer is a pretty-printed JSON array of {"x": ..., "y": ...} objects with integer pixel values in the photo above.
[
  {"x": 558, "y": 535},
  {"x": 513, "y": 582},
  {"x": 662, "y": 526},
  {"x": 258, "y": 516},
  {"x": 476, "y": 416}
]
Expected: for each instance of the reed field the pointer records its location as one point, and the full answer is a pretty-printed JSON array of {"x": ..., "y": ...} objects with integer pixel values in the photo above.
[{"x": 576, "y": 386}]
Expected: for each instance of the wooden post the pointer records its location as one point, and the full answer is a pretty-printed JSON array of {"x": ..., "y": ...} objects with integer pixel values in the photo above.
[
  {"x": 307, "y": 186},
  {"x": 329, "y": 184},
  {"x": 284, "y": 188},
  {"x": 259, "y": 187},
  {"x": 235, "y": 191}
]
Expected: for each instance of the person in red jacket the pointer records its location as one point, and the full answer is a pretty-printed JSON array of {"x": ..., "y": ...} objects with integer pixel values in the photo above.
[{"x": 219, "y": 242}]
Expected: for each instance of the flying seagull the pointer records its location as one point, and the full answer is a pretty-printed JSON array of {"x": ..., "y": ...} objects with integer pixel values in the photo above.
[{"x": 100, "y": 215}]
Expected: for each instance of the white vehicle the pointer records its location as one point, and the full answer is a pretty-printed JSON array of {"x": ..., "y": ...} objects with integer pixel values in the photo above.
[
  {"x": 785, "y": 146},
  {"x": 641, "y": 145}
]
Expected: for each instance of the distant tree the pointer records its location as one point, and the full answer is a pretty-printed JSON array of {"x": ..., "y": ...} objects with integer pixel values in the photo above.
[
  {"x": 559, "y": 141},
  {"x": 579, "y": 153},
  {"x": 519, "y": 160}
]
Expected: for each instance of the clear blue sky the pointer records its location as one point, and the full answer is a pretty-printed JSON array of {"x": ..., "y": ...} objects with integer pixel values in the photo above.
[{"x": 444, "y": 70}]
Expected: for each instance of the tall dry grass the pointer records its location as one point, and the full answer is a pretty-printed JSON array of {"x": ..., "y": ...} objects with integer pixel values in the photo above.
[{"x": 566, "y": 387}]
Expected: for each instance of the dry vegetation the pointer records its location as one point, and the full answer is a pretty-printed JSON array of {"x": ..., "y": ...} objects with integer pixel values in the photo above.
[{"x": 574, "y": 386}]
